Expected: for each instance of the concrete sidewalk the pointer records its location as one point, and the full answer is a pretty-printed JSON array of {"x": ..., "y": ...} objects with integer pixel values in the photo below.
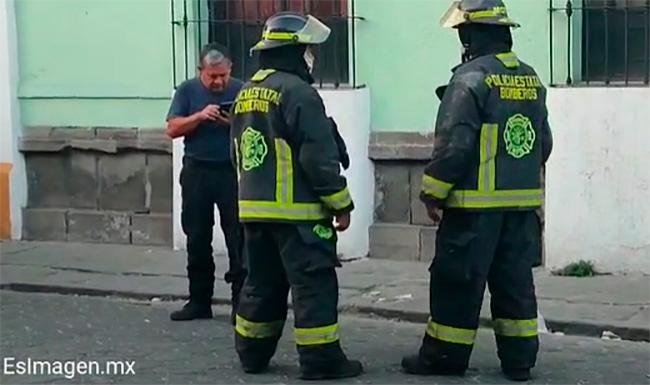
[{"x": 585, "y": 306}]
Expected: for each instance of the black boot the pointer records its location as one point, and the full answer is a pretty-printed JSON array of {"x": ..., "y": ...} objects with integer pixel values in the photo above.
[
  {"x": 255, "y": 368},
  {"x": 415, "y": 365},
  {"x": 516, "y": 374},
  {"x": 342, "y": 369},
  {"x": 192, "y": 311}
]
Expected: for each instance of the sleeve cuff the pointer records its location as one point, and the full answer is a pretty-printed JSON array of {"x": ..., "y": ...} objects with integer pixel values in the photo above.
[
  {"x": 338, "y": 201},
  {"x": 435, "y": 188}
]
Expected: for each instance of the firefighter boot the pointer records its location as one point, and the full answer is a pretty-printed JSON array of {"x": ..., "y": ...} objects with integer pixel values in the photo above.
[
  {"x": 516, "y": 374},
  {"x": 342, "y": 369},
  {"x": 416, "y": 365},
  {"x": 191, "y": 311}
]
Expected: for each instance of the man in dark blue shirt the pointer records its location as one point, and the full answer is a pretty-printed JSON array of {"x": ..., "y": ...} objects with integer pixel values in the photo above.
[{"x": 199, "y": 114}]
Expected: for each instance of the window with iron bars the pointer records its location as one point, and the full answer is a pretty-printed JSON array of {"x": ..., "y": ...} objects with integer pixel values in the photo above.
[
  {"x": 237, "y": 25},
  {"x": 607, "y": 42}
]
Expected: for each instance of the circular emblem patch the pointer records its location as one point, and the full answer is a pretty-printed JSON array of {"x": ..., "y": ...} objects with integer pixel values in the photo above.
[
  {"x": 253, "y": 149},
  {"x": 519, "y": 136}
]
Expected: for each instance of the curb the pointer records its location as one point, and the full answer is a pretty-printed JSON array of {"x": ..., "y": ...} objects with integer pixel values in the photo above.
[{"x": 567, "y": 327}]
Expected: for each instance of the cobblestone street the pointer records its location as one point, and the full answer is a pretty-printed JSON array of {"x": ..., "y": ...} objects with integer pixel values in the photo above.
[{"x": 62, "y": 328}]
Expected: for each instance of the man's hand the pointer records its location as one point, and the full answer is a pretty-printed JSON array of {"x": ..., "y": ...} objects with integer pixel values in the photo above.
[
  {"x": 210, "y": 112},
  {"x": 434, "y": 213},
  {"x": 342, "y": 222},
  {"x": 223, "y": 118}
]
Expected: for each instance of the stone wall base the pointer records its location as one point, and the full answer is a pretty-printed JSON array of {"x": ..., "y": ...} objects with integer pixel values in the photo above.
[{"x": 109, "y": 185}]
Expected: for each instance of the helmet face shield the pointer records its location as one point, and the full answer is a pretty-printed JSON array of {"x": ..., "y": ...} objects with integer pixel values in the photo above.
[
  {"x": 314, "y": 32},
  {"x": 454, "y": 16}
]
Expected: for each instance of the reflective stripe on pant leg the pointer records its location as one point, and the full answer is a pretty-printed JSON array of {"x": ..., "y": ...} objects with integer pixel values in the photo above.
[
  {"x": 317, "y": 336},
  {"x": 249, "y": 329},
  {"x": 450, "y": 333},
  {"x": 515, "y": 328}
]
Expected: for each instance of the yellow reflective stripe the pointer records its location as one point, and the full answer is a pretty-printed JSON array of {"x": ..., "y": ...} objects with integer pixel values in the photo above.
[
  {"x": 250, "y": 329},
  {"x": 515, "y": 327},
  {"x": 339, "y": 200},
  {"x": 451, "y": 334},
  {"x": 509, "y": 59},
  {"x": 488, "y": 13},
  {"x": 283, "y": 172},
  {"x": 435, "y": 187},
  {"x": 261, "y": 75},
  {"x": 487, "y": 166},
  {"x": 317, "y": 336},
  {"x": 495, "y": 199},
  {"x": 275, "y": 210},
  {"x": 286, "y": 36}
]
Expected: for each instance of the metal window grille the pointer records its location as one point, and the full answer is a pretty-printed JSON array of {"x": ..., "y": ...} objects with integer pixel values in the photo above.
[
  {"x": 608, "y": 42},
  {"x": 237, "y": 25}
]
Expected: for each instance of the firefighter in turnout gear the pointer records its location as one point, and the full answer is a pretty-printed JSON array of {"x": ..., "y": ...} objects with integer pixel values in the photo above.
[
  {"x": 492, "y": 139},
  {"x": 288, "y": 155}
]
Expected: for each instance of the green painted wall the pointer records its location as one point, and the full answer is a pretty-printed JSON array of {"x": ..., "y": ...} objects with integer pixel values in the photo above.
[
  {"x": 109, "y": 62},
  {"x": 94, "y": 62},
  {"x": 403, "y": 55}
]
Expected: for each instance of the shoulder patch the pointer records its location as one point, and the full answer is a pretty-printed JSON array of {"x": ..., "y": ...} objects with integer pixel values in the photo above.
[
  {"x": 509, "y": 59},
  {"x": 262, "y": 74}
]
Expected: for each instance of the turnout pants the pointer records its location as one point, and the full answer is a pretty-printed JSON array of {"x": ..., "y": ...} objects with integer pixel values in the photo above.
[
  {"x": 204, "y": 184},
  {"x": 472, "y": 249},
  {"x": 300, "y": 257}
]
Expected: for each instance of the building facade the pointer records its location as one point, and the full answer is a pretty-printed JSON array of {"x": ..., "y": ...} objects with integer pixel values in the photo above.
[{"x": 89, "y": 83}]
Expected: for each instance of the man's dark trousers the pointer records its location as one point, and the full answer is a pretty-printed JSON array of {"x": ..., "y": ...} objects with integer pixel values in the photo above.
[{"x": 203, "y": 185}]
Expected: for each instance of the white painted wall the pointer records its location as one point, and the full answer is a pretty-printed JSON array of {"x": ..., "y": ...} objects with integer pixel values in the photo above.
[
  {"x": 598, "y": 178},
  {"x": 351, "y": 110},
  {"x": 10, "y": 127}
]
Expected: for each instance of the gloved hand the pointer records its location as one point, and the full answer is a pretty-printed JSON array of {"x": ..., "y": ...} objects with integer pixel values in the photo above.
[
  {"x": 340, "y": 143},
  {"x": 434, "y": 212}
]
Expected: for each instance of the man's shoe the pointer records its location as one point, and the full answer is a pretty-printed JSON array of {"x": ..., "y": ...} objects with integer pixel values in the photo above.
[
  {"x": 192, "y": 311},
  {"x": 516, "y": 374},
  {"x": 414, "y": 365},
  {"x": 344, "y": 369}
]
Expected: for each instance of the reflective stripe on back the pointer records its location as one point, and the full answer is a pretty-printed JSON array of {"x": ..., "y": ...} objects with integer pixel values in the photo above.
[
  {"x": 495, "y": 199},
  {"x": 284, "y": 172},
  {"x": 488, "y": 151}
]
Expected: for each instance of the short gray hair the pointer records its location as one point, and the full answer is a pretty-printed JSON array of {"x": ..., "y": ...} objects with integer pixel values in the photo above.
[{"x": 212, "y": 55}]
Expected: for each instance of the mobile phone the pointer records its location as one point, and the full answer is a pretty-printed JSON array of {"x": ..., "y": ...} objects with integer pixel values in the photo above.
[{"x": 225, "y": 107}]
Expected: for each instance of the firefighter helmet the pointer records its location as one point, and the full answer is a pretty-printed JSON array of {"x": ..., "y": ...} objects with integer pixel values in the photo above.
[
  {"x": 290, "y": 28},
  {"x": 492, "y": 12}
]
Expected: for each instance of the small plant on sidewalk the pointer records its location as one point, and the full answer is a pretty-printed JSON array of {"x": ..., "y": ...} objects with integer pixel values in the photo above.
[{"x": 578, "y": 269}]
